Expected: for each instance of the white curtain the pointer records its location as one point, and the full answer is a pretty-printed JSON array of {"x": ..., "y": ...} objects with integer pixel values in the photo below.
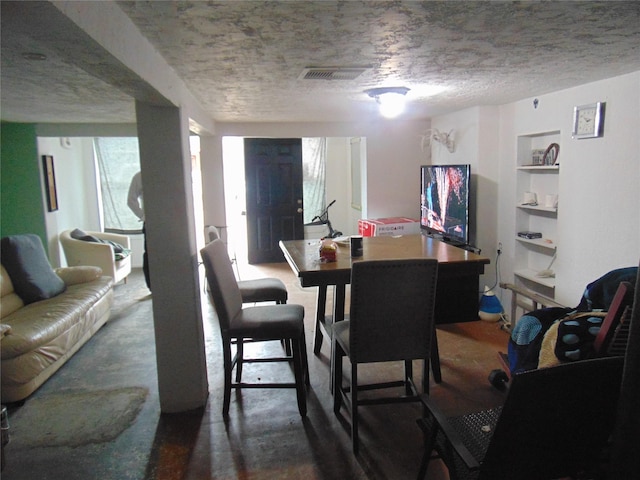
[
  {"x": 118, "y": 160},
  {"x": 314, "y": 155}
]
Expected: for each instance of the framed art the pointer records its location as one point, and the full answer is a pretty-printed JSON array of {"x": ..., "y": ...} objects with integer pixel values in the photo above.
[
  {"x": 50, "y": 182},
  {"x": 588, "y": 120}
]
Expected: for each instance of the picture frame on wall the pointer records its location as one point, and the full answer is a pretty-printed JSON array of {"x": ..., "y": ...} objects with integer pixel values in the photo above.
[{"x": 50, "y": 182}]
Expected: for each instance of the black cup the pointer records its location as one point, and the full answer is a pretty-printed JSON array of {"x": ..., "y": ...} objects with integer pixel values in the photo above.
[{"x": 356, "y": 246}]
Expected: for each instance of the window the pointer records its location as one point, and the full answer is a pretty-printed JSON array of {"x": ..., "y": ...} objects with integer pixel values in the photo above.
[
  {"x": 314, "y": 155},
  {"x": 118, "y": 160}
]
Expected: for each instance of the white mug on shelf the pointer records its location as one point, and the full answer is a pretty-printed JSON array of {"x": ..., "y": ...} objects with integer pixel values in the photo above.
[{"x": 551, "y": 201}]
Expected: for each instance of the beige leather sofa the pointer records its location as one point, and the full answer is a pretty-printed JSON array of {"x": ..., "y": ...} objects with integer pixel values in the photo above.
[
  {"x": 38, "y": 338},
  {"x": 81, "y": 252}
]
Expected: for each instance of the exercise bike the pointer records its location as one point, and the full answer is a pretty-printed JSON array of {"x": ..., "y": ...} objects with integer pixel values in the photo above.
[{"x": 323, "y": 219}]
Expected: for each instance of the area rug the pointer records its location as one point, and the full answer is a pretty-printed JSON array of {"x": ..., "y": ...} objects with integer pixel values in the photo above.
[{"x": 74, "y": 419}]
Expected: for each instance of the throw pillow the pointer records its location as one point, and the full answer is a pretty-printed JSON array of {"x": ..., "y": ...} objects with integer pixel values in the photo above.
[
  {"x": 82, "y": 235},
  {"x": 26, "y": 262},
  {"x": 119, "y": 251},
  {"x": 78, "y": 274}
]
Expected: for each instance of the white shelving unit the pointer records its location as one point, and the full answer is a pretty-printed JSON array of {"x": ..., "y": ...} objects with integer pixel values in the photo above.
[{"x": 534, "y": 255}]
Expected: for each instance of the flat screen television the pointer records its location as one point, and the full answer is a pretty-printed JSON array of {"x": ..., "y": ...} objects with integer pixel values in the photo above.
[{"x": 444, "y": 202}]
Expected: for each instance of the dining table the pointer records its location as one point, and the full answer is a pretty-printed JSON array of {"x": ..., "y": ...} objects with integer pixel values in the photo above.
[{"x": 457, "y": 289}]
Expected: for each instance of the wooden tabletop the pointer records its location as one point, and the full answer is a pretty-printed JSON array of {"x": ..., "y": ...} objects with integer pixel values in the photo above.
[{"x": 304, "y": 258}]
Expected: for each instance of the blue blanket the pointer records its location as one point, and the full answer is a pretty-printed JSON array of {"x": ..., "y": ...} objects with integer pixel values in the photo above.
[{"x": 526, "y": 338}]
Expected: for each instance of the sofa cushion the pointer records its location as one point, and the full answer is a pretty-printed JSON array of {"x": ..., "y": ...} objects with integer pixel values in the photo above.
[
  {"x": 9, "y": 299},
  {"x": 25, "y": 260}
]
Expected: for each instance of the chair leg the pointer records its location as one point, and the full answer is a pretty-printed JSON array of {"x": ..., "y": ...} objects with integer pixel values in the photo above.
[
  {"x": 408, "y": 377},
  {"x": 298, "y": 369},
  {"x": 321, "y": 305},
  {"x": 354, "y": 408},
  {"x": 429, "y": 443},
  {"x": 286, "y": 343},
  {"x": 305, "y": 360},
  {"x": 425, "y": 376},
  {"x": 336, "y": 375},
  {"x": 239, "y": 359},
  {"x": 435, "y": 358},
  {"x": 226, "y": 353}
]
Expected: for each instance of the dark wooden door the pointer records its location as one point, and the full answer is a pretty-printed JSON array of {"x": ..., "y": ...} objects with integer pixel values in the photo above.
[{"x": 273, "y": 172}]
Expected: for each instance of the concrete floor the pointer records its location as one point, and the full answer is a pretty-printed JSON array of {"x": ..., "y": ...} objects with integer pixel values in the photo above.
[{"x": 264, "y": 436}]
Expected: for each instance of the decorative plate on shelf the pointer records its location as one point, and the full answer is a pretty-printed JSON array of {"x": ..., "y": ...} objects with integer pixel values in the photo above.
[{"x": 550, "y": 156}]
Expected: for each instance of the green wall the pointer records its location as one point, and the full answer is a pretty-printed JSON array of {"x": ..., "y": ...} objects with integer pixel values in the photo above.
[{"x": 21, "y": 203}]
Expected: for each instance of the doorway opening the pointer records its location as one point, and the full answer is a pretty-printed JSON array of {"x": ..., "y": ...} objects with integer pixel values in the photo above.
[
  {"x": 314, "y": 152},
  {"x": 327, "y": 175}
]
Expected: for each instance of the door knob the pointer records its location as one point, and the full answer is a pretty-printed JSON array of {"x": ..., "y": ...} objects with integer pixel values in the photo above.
[{"x": 300, "y": 210}]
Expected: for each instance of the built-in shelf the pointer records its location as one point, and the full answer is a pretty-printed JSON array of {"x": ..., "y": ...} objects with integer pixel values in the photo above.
[
  {"x": 539, "y": 208},
  {"x": 539, "y": 242},
  {"x": 541, "y": 183},
  {"x": 539, "y": 168},
  {"x": 532, "y": 276}
]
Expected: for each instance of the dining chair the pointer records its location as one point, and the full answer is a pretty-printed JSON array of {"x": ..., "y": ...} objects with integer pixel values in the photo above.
[
  {"x": 259, "y": 290},
  {"x": 282, "y": 322},
  {"x": 555, "y": 422},
  {"x": 268, "y": 289},
  {"x": 391, "y": 318}
]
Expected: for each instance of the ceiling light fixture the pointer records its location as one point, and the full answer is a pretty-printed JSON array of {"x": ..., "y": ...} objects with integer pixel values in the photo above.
[{"x": 391, "y": 100}]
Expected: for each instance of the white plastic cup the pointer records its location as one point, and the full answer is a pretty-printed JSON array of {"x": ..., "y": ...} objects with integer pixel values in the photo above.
[{"x": 551, "y": 201}]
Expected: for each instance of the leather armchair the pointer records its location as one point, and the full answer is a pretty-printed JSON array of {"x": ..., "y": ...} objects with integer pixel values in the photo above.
[{"x": 80, "y": 252}]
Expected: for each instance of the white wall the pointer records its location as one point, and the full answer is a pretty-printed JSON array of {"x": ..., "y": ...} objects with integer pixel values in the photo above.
[
  {"x": 598, "y": 214},
  {"x": 475, "y": 133},
  {"x": 391, "y": 177},
  {"x": 338, "y": 187},
  {"x": 77, "y": 191}
]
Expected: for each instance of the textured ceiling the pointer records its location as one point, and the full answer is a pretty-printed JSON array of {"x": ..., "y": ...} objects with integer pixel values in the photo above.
[{"x": 243, "y": 59}]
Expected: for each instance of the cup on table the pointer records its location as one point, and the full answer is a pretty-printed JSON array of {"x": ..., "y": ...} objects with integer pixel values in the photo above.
[{"x": 356, "y": 246}]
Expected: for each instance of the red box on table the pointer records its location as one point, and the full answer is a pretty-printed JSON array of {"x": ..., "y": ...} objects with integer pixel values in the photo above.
[{"x": 384, "y": 227}]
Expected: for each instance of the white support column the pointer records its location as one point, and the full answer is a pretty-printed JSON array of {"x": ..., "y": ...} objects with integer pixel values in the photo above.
[{"x": 173, "y": 258}]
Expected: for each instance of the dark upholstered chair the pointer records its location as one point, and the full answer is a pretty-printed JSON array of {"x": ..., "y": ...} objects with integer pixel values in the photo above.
[
  {"x": 255, "y": 323},
  {"x": 555, "y": 422},
  {"x": 391, "y": 319},
  {"x": 255, "y": 291}
]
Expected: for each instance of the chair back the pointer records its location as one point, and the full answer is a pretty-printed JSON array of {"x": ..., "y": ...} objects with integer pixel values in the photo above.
[
  {"x": 223, "y": 287},
  {"x": 391, "y": 311},
  {"x": 622, "y": 299},
  {"x": 555, "y": 421}
]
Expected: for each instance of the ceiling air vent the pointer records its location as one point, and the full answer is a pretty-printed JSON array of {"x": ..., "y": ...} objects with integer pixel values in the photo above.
[{"x": 331, "y": 73}]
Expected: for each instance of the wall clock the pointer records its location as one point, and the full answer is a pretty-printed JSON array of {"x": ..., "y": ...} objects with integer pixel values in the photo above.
[{"x": 588, "y": 120}]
